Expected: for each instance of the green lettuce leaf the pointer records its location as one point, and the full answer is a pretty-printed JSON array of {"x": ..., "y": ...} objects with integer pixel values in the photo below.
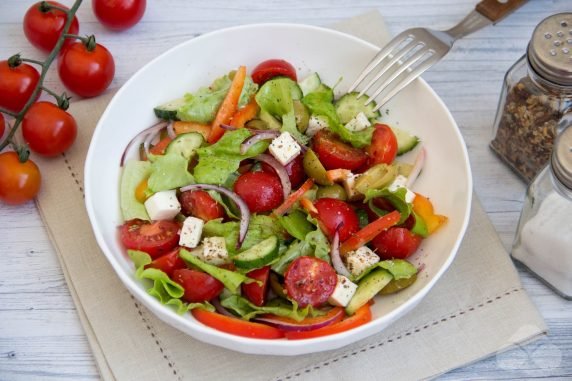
[
  {"x": 295, "y": 249},
  {"x": 296, "y": 224},
  {"x": 397, "y": 199},
  {"x": 169, "y": 171},
  {"x": 133, "y": 173},
  {"x": 398, "y": 268},
  {"x": 317, "y": 239},
  {"x": 278, "y": 307}
]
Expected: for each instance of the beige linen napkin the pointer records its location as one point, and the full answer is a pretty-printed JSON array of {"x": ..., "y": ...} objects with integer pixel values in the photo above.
[{"x": 477, "y": 309}]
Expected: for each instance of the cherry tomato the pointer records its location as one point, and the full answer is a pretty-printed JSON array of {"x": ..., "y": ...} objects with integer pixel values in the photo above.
[
  {"x": 118, "y": 14},
  {"x": 86, "y": 70},
  {"x": 333, "y": 213},
  {"x": 19, "y": 182},
  {"x": 273, "y": 68},
  {"x": 2, "y": 125},
  {"x": 43, "y": 26},
  {"x": 295, "y": 170},
  {"x": 168, "y": 263},
  {"x": 201, "y": 205},
  {"x": 17, "y": 84},
  {"x": 236, "y": 326},
  {"x": 335, "y": 154},
  {"x": 310, "y": 281},
  {"x": 253, "y": 291},
  {"x": 199, "y": 286},
  {"x": 383, "y": 147},
  {"x": 155, "y": 238},
  {"x": 261, "y": 191},
  {"x": 48, "y": 129},
  {"x": 396, "y": 242}
]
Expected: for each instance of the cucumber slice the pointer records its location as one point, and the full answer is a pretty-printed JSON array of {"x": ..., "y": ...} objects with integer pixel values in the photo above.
[
  {"x": 368, "y": 287},
  {"x": 405, "y": 141},
  {"x": 186, "y": 144},
  {"x": 168, "y": 111},
  {"x": 349, "y": 106},
  {"x": 258, "y": 255},
  {"x": 310, "y": 83}
]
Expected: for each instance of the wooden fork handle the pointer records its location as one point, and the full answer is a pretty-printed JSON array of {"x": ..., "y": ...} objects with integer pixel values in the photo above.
[{"x": 495, "y": 10}]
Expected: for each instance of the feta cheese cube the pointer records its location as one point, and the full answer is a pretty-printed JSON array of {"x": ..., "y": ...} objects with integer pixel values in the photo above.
[
  {"x": 214, "y": 251},
  {"x": 284, "y": 148},
  {"x": 358, "y": 123},
  {"x": 315, "y": 124},
  {"x": 359, "y": 260},
  {"x": 400, "y": 182},
  {"x": 163, "y": 205},
  {"x": 191, "y": 232},
  {"x": 349, "y": 185},
  {"x": 343, "y": 293}
]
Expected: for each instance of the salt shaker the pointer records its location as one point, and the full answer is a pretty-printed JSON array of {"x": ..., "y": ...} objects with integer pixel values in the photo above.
[
  {"x": 536, "y": 94},
  {"x": 543, "y": 241}
]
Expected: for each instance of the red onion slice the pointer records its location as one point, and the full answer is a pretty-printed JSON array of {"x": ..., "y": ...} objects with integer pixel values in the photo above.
[
  {"x": 220, "y": 308},
  {"x": 153, "y": 130},
  {"x": 286, "y": 325},
  {"x": 417, "y": 166},
  {"x": 265, "y": 135},
  {"x": 228, "y": 127},
  {"x": 171, "y": 131},
  {"x": 336, "y": 257},
  {"x": 280, "y": 171},
  {"x": 244, "y": 212}
]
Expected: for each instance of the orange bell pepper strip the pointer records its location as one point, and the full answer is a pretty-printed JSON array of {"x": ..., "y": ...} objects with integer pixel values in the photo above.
[
  {"x": 287, "y": 204},
  {"x": 369, "y": 232},
  {"x": 424, "y": 208},
  {"x": 229, "y": 105},
  {"x": 309, "y": 206},
  {"x": 159, "y": 148},
  {"x": 186, "y": 127},
  {"x": 362, "y": 316},
  {"x": 245, "y": 114},
  {"x": 236, "y": 326}
]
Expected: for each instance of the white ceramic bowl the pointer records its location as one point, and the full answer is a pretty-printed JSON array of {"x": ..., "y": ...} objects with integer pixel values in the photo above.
[{"x": 446, "y": 178}]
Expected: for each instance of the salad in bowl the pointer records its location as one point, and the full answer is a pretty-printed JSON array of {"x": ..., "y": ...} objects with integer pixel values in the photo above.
[{"x": 269, "y": 208}]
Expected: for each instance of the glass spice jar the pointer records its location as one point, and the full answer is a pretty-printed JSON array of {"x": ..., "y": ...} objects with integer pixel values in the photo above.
[{"x": 536, "y": 95}]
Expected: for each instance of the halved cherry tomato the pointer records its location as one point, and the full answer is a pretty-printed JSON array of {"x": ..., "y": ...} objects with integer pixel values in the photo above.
[
  {"x": 200, "y": 204},
  {"x": 383, "y": 147},
  {"x": 294, "y": 196},
  {"x": 335, "y": 154},
  {"x": 295, "y": 170},
  {"x": 333, "y": 213},
  {"x": 253, "y": 291},
  {"x": 155, "y": 238},
  {"x": 269, "y": 69},
  {"x": 396, "y": 242},
  {"x": 199, "y": 286},
  {"x": 362, "y": 316},
  {"x": 168, "y": 263},
  {"x": 17, "y": 84},
  {"x": 236, "y": 326},
  {"x": 369, "y": 232},
  {"x": 19, "y": 182},
  {"x": 310, "y": 281},
  {"x": 261, "y": 191},
  {"x": 43, "y": 26}
]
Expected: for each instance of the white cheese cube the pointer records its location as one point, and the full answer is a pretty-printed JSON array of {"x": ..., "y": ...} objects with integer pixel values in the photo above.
[
  {"x": 349, "y": 185},
  {"x": 359, "y": 260},
  {"x": 358, "y": 123},
  {"x": 284, "y": 148},
  {"x": 400, "y": 182},
  {"x": 191, "y": 232},
  {"x": 315, "y": 124},
  {"x": 214, "y": 251},
  {"x": 343, "y": 293},
  {"x": 163, "y": 205}
]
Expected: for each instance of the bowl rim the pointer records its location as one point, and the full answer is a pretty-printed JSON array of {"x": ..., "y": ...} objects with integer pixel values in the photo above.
[{"x": 244, "y": 344}]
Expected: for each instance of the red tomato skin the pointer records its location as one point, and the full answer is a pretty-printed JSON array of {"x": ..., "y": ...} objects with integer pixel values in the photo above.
[
  {"x": 119, "y": 14},
  {"x": 48, "y": 129},
  {"x": 335, "y": 154},
  {"x": 269, "y": 69},
  {"x": 168, "y": 263},
  {"x": 295, "y": 170},
  {"x": 261, "y": 191},
  {"x": 86, "y": 73},
  {"x": 201, "y": 205},
  {"x": 310, "y": 281},
  {"x": 333, "y": 213},
  {"x": 199, "y": 287},
  {"x": 383, "y": 147},
  {"x": 253, "y": 291},
  {"x": 19, "y": 182},
  {"x": 396, "y": 242},
  {"x": 17, "y": 85},
  {"x": 43, "y": 29},
  {"x": 2, "y": 125},
  {"x": 155, "y": 238}
]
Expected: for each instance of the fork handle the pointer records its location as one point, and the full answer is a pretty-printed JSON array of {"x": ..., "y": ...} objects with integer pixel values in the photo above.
[{"x": 495, "y": 10}]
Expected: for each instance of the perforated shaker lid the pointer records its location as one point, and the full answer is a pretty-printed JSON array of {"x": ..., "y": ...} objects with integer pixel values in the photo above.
[
  {"x": 550, "y": 49},
  {"x": 562, "y": 157}
]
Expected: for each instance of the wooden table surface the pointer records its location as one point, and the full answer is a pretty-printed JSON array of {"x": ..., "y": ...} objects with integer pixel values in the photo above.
[{"x": 40, "y": 334}]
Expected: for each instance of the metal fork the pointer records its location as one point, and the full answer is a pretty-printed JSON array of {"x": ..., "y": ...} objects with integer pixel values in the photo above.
[{"x": 415, "y": 50}]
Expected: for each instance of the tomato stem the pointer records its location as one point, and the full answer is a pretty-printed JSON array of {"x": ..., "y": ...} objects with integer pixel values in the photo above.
[
  {"x": 36, "y": 62},
  {"x": 46, "y": 7},
  {"x": 62, "y": 100},
  {"x": 7, "y": 112}
]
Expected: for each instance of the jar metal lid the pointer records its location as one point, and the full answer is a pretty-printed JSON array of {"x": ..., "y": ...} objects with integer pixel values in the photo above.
[
  {"x": 562, "y": 157},
  {"x": 550, "y": 49}
]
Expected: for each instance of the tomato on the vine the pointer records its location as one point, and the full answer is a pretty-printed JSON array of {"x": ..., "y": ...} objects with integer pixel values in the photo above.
[
  {"x": 17, "y": 83},
  {"x": 19, "y": 182},
  {"x": 2, "y": 125},
  {"x": 269, "y": 69},
  {"x": 87, "y": 68},
  {"x": 48, "y": 129},
  {"x": 43, "y": 25},
  {"x": 118, "y": 14}
]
